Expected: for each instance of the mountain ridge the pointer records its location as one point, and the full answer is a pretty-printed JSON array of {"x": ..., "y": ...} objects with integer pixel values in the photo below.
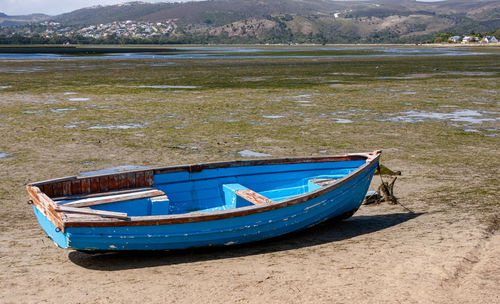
[
  {"x": 6, "y": 20},
  {"x": 281, "y": 21}
]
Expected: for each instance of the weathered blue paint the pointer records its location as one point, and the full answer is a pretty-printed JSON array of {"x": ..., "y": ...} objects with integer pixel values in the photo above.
[
  {"x": 202, "y": 190},
  {"x": 231, "y": 199},
  {"x": 60, "y": 238},
  {"x": 213, "y": 190}
]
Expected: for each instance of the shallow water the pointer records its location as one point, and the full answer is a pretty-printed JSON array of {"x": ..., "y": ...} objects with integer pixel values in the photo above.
[
  {"x": 246, "y": 53},
  {"x": 112, "y": 170},
  {"x": 20, "y": 71},
  {"x": 164, "y": 86},
  {"x": 467, "y": 116},
  {"x": 343, "y": 121},
  {"x": 5, "y": 155},
  {"x": 79, "y": 99},
  {"x": 273, "y": 116},
  {"x": 64, "y": 110},
  {"x": 74, "y": 124},
  {"x": 183, "y": 147},
  {"x": 250, "y": 153},
  {"x": 112, "y": 127},
  {"x": 302, "y": 96}
]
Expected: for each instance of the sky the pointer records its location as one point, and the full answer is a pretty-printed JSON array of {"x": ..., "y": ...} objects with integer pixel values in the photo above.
[{"x": 55, "y": 7}]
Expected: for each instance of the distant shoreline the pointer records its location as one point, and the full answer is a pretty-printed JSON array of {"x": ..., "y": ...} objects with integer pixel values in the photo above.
[
  {"x": 192, "y": 51},
  {"x": 148, "y": 45}
]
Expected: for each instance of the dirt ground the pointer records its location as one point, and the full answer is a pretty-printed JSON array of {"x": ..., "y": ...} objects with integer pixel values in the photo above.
[
  {"x": 384, "y": 254},
  {"x": 436, "y": 119}
]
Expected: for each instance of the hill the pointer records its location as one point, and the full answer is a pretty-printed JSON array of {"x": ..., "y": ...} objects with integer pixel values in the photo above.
[
  {"x": 6, "y": 20},
  {"x": 282, "y": 21}
]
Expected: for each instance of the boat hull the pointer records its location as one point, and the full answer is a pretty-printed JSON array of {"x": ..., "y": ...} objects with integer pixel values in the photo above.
[{"x": 256, "y": 226}]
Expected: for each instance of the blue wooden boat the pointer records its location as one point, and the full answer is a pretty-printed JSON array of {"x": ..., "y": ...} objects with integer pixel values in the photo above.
[{"x": 201, "y": 205}]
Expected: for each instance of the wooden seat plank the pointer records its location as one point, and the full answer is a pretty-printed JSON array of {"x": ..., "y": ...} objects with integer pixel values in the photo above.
[
  {"x": 323, "y": 182},
  {"x": 82, "y": 196},
  {"x": 88, "y": 211},
  {"x": 93, "y": 201}
]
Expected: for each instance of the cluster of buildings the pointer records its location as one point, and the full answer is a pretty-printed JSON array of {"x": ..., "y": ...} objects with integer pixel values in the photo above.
[
  {"x": 129, "y": 29},
  {"x": 472, "y": 39}
]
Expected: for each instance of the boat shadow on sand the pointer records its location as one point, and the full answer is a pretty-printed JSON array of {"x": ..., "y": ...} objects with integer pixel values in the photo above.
[{"x": 327, "y": 232}]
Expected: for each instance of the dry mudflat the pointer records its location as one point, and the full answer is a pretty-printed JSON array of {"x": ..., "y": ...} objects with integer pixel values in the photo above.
[{"x": 436, "y": 119}]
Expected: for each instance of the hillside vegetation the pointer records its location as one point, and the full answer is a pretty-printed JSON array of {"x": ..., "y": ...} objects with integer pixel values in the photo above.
[{"x": 272, "y": 21}]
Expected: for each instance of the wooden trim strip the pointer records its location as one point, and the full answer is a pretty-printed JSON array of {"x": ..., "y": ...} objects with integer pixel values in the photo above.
[
  {"x": 259, "y": 162},
  {"x": 323, "y": 182},
  {"x": 93, "y": 201},
  {"x": 88, "y": 211},
  {"x": 159, "y": 198},
  {"x": 46, "y": 206},
  {"x": 52, "y": 181},
  {"x": 89, "y": 195}
]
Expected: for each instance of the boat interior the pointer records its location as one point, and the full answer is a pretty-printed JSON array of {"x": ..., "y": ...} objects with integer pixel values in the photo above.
[{"x": 211, "y": 189}]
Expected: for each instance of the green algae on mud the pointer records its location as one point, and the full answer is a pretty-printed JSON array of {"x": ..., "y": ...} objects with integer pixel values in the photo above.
[
  {"x": 61, "y": 113},
  {"x": 436, "y": 120}
]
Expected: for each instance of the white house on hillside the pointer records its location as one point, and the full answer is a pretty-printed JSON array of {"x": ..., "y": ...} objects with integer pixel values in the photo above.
[{"x": 489, "y": 39}]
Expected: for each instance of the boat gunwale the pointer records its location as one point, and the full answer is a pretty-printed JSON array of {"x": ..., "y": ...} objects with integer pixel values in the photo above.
[
  {"x": 192, "y": 168},
  {"x": 47, "y": 206}
]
